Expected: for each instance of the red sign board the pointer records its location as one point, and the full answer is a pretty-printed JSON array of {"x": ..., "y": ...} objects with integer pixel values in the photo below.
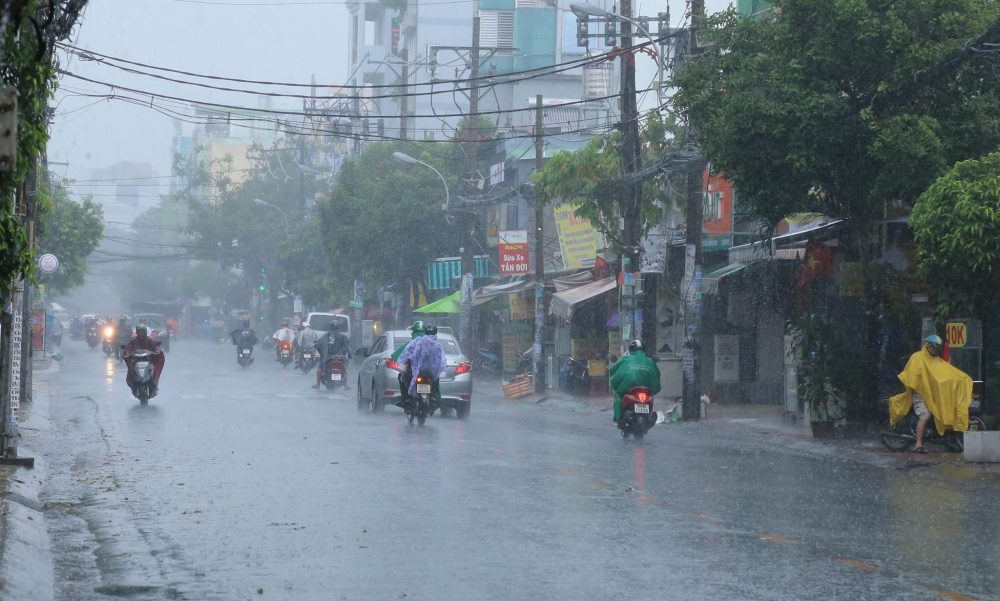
[
  {"x": 513, "y": 247},
  {"x": 717, "y": 212}
]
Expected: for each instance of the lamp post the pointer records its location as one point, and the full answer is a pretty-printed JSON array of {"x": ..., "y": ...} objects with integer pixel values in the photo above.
[
  {"x": 261, "y": 203},
  {"x": 405, "y": 158}
]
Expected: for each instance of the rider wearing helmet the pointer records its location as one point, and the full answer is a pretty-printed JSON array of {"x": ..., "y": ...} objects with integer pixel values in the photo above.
[
  {"x": 244, "y": 336},
  {"x": 423, "y": 354},
  {"x": 416, "y": 331},
  {"x": 632, "y": 370},
  {"x": 144, "y": 342},
  {"x": 331, "y": 344},
  {"x": 935, "y": 348}
]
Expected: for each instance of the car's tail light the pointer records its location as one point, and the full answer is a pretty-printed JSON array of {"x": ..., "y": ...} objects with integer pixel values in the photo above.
[
  {"x": 390, "y": 392},
  {"x": 466, "y": 397},
  {"x": 391, "y": 364},
  {"x": 463, "y": 367}
]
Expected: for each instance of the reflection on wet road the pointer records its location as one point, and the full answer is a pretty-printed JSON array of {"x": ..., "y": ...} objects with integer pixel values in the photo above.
[{"x": 233, "y": 481}]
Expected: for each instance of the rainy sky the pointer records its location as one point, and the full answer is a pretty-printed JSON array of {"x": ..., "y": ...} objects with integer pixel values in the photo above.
[{"x": 286, "y": 40}]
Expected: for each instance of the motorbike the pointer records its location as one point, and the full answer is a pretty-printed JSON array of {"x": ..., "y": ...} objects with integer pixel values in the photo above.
[
  {"x": 637, "y": 413},
  {"x": 76, "y": 329},
  {"x": 108, "y": 341},
  {"x": 285, "y": 353},
  {"x": 422, "y": 405},
  {"x": 244, "y": 355},
  {"x": 488, "y": 365},
  {"x": 93, "y": 336},
  {"x": 309, "y": 358},
  {"x": 903, "y": 435},
  {"x": 124, "y": 336},
  {"x": 574, "y": 377},
  {"x": 143, "y": 371},
  {"x": 524, "y": 362},
  {"x": 335, "y": 372}
]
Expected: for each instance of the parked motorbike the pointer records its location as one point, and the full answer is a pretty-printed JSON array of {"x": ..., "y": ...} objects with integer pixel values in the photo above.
[
  {"x": 108, "y": 341},
  {"x": 637, "y": 413},
  {"x": 93, "y": 337},
  {"x": 244, "y": 355},
  {"x": 143, "y": 370},
  {"x": 488, "y": 365},
  {"x": 903, "y": 435},
  {"x": 422, "y": 405},
  {"x": 309, "y": 359},
  {"x": 285, "y": 353},
  {"x": 335, "y": 372},
  {"x": 524, "y": 362},
  {"x": 574, "y": 377}
]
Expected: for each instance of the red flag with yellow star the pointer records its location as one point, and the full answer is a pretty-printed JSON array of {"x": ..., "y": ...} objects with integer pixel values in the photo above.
[{"x": 818, "y": 261}]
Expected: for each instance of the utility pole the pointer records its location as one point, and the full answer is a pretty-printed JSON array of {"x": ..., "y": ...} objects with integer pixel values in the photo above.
[
  {"x": 630, "y": 197},
  {"x": 404, "y": 55},
  {"x": 468, "y": 220},
  {"x": 536, "y": 364},
  {"x": 691, "y": 283}
]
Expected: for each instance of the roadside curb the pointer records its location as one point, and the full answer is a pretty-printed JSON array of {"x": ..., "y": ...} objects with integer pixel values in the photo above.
[{"x": 26, "y": 568}]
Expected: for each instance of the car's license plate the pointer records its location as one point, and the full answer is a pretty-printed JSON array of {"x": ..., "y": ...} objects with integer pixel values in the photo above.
[
  {"x": 335, "y": 377},
  {"x": 641, "y": 408},
  {"x": 423, "y": 388}
]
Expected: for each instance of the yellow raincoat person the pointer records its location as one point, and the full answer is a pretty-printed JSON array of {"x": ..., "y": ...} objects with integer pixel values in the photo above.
[{"x": 946, "y": 390}]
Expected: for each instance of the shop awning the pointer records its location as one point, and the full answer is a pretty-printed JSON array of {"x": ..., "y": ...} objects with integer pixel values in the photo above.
[
  {"x": 710, "y": 282},
  {"x": 563, "y": 302},
  {"x": 569, "y": 282},
  {"x": 448, "y": 304}
]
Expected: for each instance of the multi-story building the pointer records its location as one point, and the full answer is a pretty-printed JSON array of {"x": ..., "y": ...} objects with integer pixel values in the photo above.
[{"x": 522, "y": 35}]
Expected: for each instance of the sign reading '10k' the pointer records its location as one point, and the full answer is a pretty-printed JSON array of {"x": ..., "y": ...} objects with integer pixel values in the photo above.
[{"x": 513, "y": 246}]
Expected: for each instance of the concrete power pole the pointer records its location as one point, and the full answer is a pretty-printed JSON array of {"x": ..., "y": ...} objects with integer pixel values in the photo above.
[
  {"x": 691, "y": 283},
  {"x": 536, "y": 364},
  {"x": 468, "y": 220},
  {"x": 404, "y": 55},
  {"x": 630, "y": 197}
]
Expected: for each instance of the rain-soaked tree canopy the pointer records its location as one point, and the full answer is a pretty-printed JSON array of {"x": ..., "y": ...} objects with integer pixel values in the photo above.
[
  {"x": 814, "y": 106},
  {"x": 957, "y": 228}
]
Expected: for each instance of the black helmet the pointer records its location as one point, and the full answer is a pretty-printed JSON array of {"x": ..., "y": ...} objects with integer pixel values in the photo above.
[
  {"x": 335, "y": 325},
  {"x": 635, "y": 345},
  {"x": 246, "y": 323},
  {"x": 431, "y": 330}
]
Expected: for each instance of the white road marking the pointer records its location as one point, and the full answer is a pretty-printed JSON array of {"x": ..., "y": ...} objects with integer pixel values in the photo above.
[{"x": 190, "y": 397}]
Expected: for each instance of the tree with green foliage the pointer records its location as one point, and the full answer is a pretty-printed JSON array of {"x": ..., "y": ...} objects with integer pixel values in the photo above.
[
  {"x": 581, "y": 177},
  {"x": 71, "y": 231},
  {"x": 956, "y": 224},
  {"x": 383, "y": 221},
  {"x": 815, "y": 108}
]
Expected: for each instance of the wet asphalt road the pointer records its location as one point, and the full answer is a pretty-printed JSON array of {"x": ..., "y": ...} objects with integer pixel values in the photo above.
[{"x": 233, "y": 480}]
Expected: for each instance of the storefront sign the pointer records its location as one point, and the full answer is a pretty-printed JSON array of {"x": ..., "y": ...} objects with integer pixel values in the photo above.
[
  {"x": 579, "y": 240},
  {"x": 615, "y": 342},
  {"x": 517, "y": 338},
  {"x": 38, "y": 330},
  {"x": 957, "y": 334},
  {"x": 513, "y": 246},
  {"x": 727, "y": 359},
  {"x": 521, "y": 307},
  {"x": 717, "y": 213}
]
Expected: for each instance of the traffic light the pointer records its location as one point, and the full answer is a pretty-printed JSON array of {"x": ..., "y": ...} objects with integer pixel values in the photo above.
[
  {"x": 582, "y": 32},
  {"x": 261, "y": 287},
  {"x": 611, "y": 33}
]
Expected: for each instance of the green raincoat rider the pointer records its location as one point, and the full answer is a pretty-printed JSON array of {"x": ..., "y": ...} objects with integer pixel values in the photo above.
[
  {"x": 634, "y": 369},
  {"x": 417, "y": 331}
]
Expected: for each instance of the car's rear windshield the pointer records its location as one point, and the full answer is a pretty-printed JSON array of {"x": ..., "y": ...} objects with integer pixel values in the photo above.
[
  {"x": 449, "y": 346},
  {"x": 152, "y": 321}
]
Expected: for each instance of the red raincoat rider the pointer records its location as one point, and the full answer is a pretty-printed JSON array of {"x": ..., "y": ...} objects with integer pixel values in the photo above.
[{"x": 143, "y": 341}]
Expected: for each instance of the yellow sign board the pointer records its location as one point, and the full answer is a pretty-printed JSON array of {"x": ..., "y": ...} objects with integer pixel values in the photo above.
[
  {"x": 579, "y": 240},
  {"x": 957, "y": 334},
  {"x": 521, "y": 307}
]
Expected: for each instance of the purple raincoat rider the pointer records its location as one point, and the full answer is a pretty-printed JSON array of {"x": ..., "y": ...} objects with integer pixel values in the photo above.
[{"x": 424, "y": 354}]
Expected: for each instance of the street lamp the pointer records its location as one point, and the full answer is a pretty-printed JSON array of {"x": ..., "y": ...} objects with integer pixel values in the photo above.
[
  {"x": 589, "y": 10},
  {"x": 261, "y": 203},
  {"x": 405, "y": 158}
]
